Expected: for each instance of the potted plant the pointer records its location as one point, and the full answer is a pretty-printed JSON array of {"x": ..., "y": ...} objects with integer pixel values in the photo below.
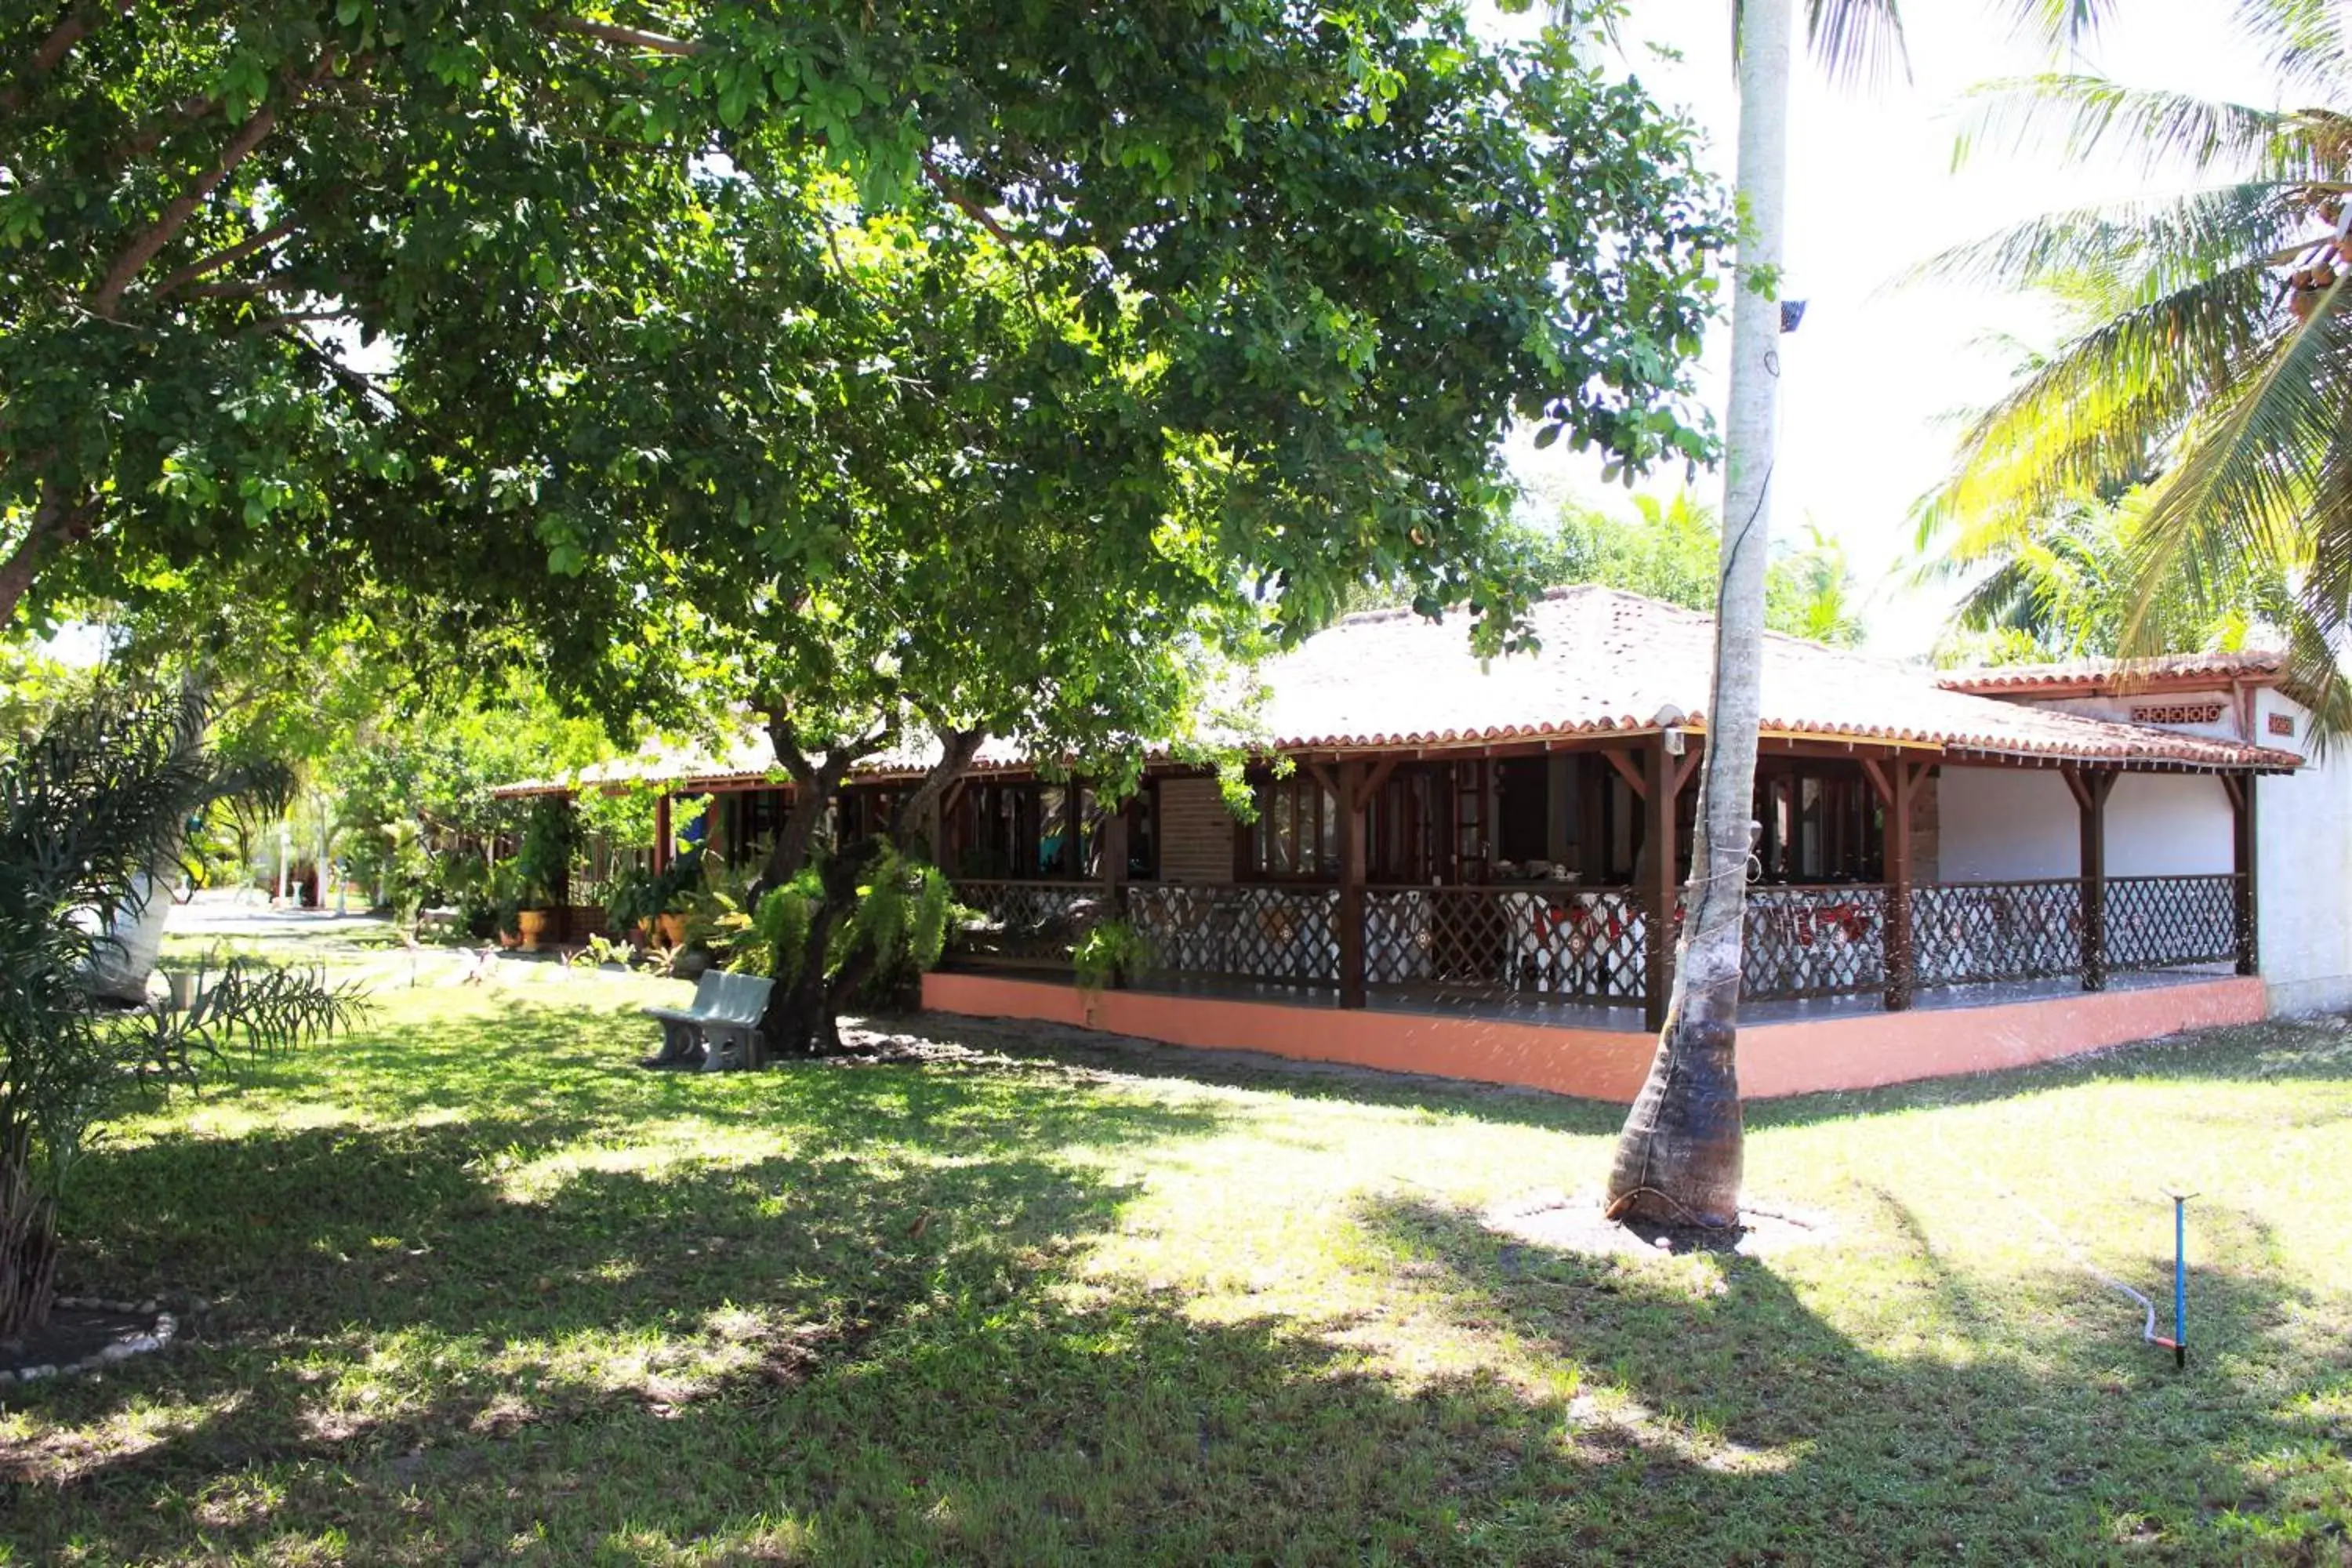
[
  {"x": 542, "y": 865},
  {"x": 633, "y": 904},
  {"x": 1109, "y": 954}
]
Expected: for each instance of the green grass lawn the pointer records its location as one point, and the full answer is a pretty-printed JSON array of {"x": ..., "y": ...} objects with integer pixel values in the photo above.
[{"x": 488, "y": 1293}]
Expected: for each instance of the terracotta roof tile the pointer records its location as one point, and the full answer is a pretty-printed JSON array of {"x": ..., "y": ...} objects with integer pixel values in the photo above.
[
  {"x": 1611, "y": 662},
  {"x": 2118, "y": 675}
]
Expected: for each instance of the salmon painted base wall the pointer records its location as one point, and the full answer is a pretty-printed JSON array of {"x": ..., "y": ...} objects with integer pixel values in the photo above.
[{"x": 1861, "y": 1051}]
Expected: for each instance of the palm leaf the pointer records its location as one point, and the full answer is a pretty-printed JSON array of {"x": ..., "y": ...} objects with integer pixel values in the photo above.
[{"x": 2092, "y": 113}]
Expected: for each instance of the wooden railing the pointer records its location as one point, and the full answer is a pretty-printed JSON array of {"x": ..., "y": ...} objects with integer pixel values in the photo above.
[
  {"x": 1574, "y": 944},
  {"x": 1813, "y": 940},
  {"x": 2160, "y": 922},
  {"x": 1564, "y": 945},
  {"x": 1260, "y": 932},
  {"x": 1970, "y": 933},
  {"x": 1026, "y": 925}
]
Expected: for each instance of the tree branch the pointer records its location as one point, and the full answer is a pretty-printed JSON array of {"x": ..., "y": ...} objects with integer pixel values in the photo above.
[
  {"x": 970, "y": 208},
  {"x": 148, "y": 246},
  {"x": 632, "y": 37},
  {"x": 223, "y": 257},
  {"x": 55, "y": 521},
  {"x": 71, "y": 29},
  {"x": 956, "y": 750}
]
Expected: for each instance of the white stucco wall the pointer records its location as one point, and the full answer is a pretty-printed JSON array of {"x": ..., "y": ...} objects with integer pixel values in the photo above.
[
  {"x": 2304, "y": 902},
  {"x": 2169, "y": 824},
  {"x": 2005, "y": 823}
]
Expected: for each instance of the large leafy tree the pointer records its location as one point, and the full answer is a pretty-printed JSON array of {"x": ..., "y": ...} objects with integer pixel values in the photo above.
[
  {"x": 917, "y": 474},
  {"x": 2210, "y": 357},
  {"x": 1670, "y": 550},
  {"x": 235, "y": 251}
]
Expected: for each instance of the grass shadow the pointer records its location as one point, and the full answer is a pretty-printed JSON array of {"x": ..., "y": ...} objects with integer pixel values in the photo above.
[{"x": 2047, "y": 1433}]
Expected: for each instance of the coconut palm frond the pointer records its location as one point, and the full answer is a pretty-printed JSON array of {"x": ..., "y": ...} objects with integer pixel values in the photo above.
[
  {"x": 2059, "y": 23},
  {"x": 2138, "y": 252},
  {"x": 2103, "y": 413},
  {"x": 2302, "y": 41},
  {"x": 2090, "y": 114},
  {"x": 1856, "y": 40},
  {"x": 2253, "y": 461}
]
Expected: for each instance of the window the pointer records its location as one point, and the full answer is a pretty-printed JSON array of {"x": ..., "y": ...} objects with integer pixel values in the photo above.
[
  {"x": 1821, "y": 822},
  {"x": 1523, "y": 809},
  {"x": 1296, "y": 834}
]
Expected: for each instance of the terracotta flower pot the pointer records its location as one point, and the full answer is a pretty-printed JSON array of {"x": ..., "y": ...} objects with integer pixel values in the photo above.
[
  {"x": 533, "y": 924},
  {"x": 671, "y": 929}
]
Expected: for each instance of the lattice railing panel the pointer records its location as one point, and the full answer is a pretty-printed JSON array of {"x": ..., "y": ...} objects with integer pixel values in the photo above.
[
  {"x": 1026, "y": 922},
  {"x": 2155, "y": 921},
  {"x": 1970, "y": 932},
  {"x": 1263, "y": 932},
  {"x": 1813, "y": 941},
  {"x": 1574, "y": 945}
]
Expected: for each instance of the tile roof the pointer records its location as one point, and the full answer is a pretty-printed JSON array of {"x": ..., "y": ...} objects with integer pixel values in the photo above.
[
  {"x": 1611, "y": 662},
  {"x": 1615, "y": 661},
  {"x": 2171, "y": 671}
]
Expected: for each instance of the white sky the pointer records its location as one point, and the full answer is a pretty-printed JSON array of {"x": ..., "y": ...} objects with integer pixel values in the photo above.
[{"x": 1869, "y": 383}]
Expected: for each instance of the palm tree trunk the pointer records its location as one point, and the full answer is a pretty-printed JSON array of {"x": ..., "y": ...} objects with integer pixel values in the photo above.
[{"x": 1678, "y": 1159}]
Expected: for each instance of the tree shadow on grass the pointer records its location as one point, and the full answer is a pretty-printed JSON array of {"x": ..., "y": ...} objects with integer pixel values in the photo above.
[
  {"x": 839, "y": 1357},
  {"x": 1747, "y": 1428}
]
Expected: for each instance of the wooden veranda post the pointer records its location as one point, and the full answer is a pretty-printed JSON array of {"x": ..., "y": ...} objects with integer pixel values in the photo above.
[
  {"x": 2091, "y": 788},
  {"x": 1353, "y": 800},
  {"x": 1114, "y": 861},
  {"x": 1660, "y": 777},
  {"x": 1898, "y": 784},
  {"x": 661, "y": 833},
  {"x": 2244, "y": 858}
]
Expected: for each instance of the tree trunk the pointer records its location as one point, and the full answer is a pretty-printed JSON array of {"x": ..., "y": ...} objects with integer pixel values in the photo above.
[
  {"x": 802, "y": 1018},
  {"x": 54, "y": 524},
  {"x": 28, "y": 1244},
  {"x": 1678, "y": 1159}
]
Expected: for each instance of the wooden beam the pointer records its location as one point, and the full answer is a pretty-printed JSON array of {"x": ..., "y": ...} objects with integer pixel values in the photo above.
[
  {"x": 1685, "y": 765},
  {"x": 1373, "y": 779},
  {"x": 2245, "y": 852},
  {"x": 1658, "y": 882},
  {"x": 661, "y": 833},
  {"x": 1321, "y": 774},
  {"x": 1631, "y": 773},
  {"x": 1353, "y": 798},
  {"x": 2074, "y": 785},
  {"x": 1902, "y": 952},
  {"x": 2091, "y": 790},
  {"x": 1879, "y": 780},
  {"x": 1113, "y": 860}
]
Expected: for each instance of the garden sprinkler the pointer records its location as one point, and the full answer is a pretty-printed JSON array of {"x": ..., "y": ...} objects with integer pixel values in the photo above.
[{"x": 2178, "y": 1344}]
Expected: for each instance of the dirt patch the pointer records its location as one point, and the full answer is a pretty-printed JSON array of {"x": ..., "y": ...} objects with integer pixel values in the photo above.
[{"x": 1580, "y": 1224}]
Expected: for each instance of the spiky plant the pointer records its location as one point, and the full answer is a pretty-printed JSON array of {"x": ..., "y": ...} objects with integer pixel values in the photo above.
[
  {"x": 2211, "y": 356},
  {"x": 90, "y": 808}
]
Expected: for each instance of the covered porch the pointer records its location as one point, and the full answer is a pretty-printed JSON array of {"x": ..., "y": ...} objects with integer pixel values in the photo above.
[{"x": 1845, "y": 912}]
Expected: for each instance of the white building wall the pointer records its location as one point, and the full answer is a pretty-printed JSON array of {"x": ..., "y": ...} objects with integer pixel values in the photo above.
[
  {"x": 2304, "y": 859},
  {"x": 2005, "y": 823},
  {"x": 2169, "y": 824},
  {"x": 2000, "y": 824}
]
